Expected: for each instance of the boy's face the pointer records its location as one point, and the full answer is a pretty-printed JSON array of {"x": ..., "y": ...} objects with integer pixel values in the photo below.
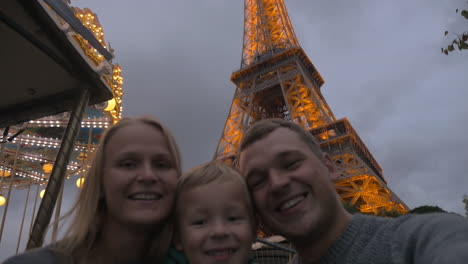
[{"x": 215, "y": 224}]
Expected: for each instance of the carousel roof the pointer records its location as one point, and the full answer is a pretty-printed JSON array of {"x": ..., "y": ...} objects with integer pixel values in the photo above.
[{"x": 43, "y": 65}]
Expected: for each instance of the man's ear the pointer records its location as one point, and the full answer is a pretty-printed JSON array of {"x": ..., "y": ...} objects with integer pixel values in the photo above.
[
  {"x": 261, "y": 228},
  {"x": 331, "y": 167},
  {"x": 255, "y": 225}
]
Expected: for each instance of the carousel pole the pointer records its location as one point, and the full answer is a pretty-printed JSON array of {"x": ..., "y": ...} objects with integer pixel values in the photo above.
[
  {"x": 4, "y": 167},
  {"x": 59, "y": 170},
  {"x": 24, "y": 215},
  {"x": 34, "y": 207},
  {"x": 57, "y": 216},
  {"x": 88, "y": 152},
  {"x": 10, "y": 187},
  {"x": 3, "y": 172}
]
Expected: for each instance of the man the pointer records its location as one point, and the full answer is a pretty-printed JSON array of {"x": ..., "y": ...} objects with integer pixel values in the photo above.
[{"x": 291, "y": 182}]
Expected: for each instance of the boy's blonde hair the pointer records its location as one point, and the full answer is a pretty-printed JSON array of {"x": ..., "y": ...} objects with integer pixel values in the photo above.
[{"x": 212, "y": 172}]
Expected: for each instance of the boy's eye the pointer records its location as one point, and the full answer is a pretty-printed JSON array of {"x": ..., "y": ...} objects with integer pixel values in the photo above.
[
  {"x": 198, "y": 222},
  {"x": 235, "y": 218}
]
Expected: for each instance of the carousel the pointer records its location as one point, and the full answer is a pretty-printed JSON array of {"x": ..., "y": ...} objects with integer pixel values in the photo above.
[{"x": 28, "y": 151}]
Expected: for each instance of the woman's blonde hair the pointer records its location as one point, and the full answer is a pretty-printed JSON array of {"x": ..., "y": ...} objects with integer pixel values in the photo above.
[{"x": 89, "y": 211}]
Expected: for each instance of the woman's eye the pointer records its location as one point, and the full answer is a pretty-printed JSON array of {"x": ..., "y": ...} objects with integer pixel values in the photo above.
[{"x": 163, "y": 164}]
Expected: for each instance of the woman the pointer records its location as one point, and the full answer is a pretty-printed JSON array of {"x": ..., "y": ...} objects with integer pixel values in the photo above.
[{"x": 122, "y": 212}]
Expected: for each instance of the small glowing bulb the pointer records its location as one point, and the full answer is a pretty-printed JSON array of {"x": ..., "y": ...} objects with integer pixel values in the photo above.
[
  {"x": 80, "y": 182},
  {"x": 110, "y": 105}
]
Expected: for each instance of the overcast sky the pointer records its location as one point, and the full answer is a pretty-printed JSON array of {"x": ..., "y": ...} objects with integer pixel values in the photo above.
[{"x": 381, "y": 62}]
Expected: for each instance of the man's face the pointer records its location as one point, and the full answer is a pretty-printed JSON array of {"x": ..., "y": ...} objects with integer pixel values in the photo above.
[{"x": 290, "y": 185}]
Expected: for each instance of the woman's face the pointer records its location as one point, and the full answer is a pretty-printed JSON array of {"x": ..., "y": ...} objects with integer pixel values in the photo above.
[{"x": 139, "y": 176}]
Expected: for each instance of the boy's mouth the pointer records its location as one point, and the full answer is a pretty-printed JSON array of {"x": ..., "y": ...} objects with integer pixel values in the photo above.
[{"x": 221, "y": 253}]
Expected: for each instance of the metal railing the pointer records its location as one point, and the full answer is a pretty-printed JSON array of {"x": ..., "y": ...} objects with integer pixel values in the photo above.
[{"x": 272, "y": 252}]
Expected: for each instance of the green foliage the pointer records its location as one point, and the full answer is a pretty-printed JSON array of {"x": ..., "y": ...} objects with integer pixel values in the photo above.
[
  {"x": 461, "y": 41},
  {"x": 425, "y": 209},
  {"x": 351, "y": 208},
  {"x": 392, "y": 213},
  {"x": 465, "y": 201},
  {"x": 464, "y": 13}
]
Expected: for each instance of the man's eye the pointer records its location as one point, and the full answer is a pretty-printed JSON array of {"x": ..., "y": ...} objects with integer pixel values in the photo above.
[
  {"x": 127, "y": 164},
  {"x": 294, "y": 164},
  {"x": 255, "y": 182}
]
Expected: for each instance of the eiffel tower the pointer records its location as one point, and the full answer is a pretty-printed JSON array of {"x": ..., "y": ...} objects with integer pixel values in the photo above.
[{"x": 276, "y": 79}]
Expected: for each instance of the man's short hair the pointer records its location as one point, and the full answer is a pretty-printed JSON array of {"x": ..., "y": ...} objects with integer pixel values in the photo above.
[
  {"x": 264, "y": 127},
  {"x": 212, "y": 172}
]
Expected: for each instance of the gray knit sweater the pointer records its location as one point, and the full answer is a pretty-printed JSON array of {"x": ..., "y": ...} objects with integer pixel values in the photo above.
[{"x": 410, "y": 239}]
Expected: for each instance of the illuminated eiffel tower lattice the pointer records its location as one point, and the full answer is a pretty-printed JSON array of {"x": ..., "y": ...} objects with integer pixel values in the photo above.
[{"x": 276, "y": 79}]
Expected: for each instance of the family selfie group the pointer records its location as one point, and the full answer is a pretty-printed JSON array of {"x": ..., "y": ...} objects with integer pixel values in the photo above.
[{"x": 137, "y": 206}]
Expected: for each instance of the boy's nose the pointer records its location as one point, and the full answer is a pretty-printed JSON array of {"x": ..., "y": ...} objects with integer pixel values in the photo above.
[{"x": 219, "y": 229}]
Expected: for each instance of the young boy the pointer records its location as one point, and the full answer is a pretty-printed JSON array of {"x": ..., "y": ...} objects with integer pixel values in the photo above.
[{"x": 214, "y": 216}]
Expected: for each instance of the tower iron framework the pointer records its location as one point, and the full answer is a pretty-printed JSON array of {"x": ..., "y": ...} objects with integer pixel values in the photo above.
[{"x": 276, "y": 79}]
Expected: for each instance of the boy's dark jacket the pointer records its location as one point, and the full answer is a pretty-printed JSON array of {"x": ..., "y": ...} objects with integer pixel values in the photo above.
[{"x": 176, "y": 257}]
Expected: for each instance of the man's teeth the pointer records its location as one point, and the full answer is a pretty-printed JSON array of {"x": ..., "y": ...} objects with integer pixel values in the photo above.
[
  {"x": 145, "y": 196},
  {"x": 217, "y": 253},
  {"x": 291, "y": 203}
]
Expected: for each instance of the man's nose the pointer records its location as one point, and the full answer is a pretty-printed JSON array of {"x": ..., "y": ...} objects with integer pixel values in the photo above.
[{"x": 278, "y": 180}]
